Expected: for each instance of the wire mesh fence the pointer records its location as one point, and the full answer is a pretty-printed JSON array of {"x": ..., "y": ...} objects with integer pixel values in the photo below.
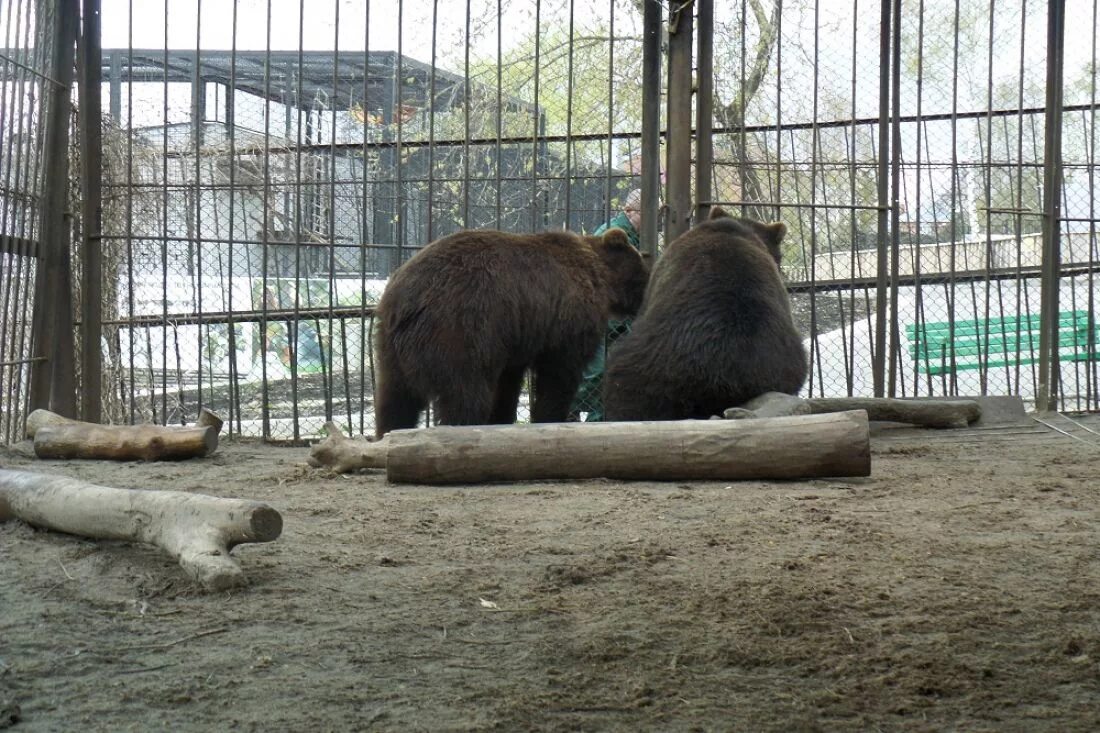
[{"x": 267, "y": 164}]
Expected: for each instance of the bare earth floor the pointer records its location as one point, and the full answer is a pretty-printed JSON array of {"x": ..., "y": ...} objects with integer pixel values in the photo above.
[{"x": 958, "y": 588}]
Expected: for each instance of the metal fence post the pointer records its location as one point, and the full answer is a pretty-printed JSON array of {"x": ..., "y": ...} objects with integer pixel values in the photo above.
[
  {"x": 678, "y": 188},
  {"x": 1047, "y": 388},
  {"x": 704, "y": 111},
  {"x": 651, "y": 126},
  {"x": 878, "y": 366},
  {"x": 52, "y": 331},
  {"x": 91, "y": 155}
]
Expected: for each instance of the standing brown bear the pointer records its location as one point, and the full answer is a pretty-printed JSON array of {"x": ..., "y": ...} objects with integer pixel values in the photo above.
[
  {"x": 460, "y": 323},
  {"x": 715, "y": 329}
]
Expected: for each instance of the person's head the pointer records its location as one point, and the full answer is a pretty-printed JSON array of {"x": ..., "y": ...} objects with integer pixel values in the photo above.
[{"x": 632, "y": 207}]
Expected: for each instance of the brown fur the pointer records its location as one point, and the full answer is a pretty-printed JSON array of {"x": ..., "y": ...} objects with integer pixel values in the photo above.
[
  {"x": 715, "y": 329},
  {"x": 461, "y": 322}
]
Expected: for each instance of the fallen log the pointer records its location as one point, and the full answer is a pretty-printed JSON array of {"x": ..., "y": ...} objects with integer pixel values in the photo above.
[
  {"x": 344, "y": 455},
  {"x": 807, "y": 446},
  {"x": 925, "y": 413},
  {"x": 197, "y": 530},
  {"x": 61, "y": 437}
]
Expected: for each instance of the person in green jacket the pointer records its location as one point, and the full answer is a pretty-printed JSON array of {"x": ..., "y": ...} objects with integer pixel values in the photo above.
[{"x": 589, "y": 397}]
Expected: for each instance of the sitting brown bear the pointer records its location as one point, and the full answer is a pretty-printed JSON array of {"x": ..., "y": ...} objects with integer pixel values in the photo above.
[
  {"x": 460, "y": 323},
  {"x": 715, "y": 329}
]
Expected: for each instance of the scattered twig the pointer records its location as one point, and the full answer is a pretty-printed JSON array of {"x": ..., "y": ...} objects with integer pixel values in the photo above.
[
  {"x": 65, "y": 569},
  {"x": 137, "y": 670},
  {"x": 168, "y": 644}
]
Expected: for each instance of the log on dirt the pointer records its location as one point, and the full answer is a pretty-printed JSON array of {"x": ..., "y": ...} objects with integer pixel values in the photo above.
[
  {"x": 925, "y": 413},
  {"x": 344, "y": 455},
  {"x": 807, "y": 446},
  {"x": 60, "y": 437},
  {"x": 197, "y": 530}
]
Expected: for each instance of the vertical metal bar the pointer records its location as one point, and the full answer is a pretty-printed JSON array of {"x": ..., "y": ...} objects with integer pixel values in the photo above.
[
  {"x": 678, "y": 154},
  {"x": 366, "y": 346},
  {"x": 1048, "y": 388},
  {"x": 651, "y": 125},
  {"x": 918, "y": 316},
  {"x": 330, "y": 388},
  {"x": 431, "y": 124},
  {"x": 231, "y": 125},
  {"x": 704, "y": 110},
  {"x": 163, "y": 239},
  {"x": 878, "y": 348},
  {"x": 852, "y": 146},
  {"x": 608, "y": 187},
  {"x": 132, "y": 373},
  {"x": 536, "y": 119},
  {"x": 398, "y": 105},
  {"x": 295, "y": 362},
  {"x": 91, "y": 155},
  {"x": 466, "y": 99},
  {"x": 500, "y": 106},
  {"x": 198, "y": 114},
  {"x": 569, "y": 125},
  {"x": 1092, "y": 388},
  {"x": 779, "y": 102},
  {"x": 52, "y": 379},
  {"x": 953, "y": 267},
  {"x": 265, "y": 236},
  {"x": 815, "y": 149},
  {"x": 895, "y": 185}
]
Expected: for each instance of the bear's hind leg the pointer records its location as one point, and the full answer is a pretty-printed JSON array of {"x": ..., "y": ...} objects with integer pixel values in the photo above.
[
  {"x": 506, "y": 399},
  {"x": 395, "y": 407},
  {"x": 555, "y": 385}
]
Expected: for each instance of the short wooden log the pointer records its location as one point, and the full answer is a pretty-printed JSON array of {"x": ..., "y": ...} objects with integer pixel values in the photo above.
[
  {"x": 60, "y": 437},
  {"x": 195, "y": 529}
]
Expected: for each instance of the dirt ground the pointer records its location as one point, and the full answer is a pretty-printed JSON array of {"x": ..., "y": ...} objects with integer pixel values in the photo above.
[{"x": 958, "y": 588}]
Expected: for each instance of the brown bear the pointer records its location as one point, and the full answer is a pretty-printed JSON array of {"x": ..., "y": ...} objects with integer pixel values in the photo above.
[
  {"x": 461, "y": 322},
  {"x": 715, "y": 328}
]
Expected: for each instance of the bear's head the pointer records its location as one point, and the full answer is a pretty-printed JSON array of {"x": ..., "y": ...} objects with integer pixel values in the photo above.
[
  {"x": 627, "y": 272},
  {"x": 769, "y": 235}
]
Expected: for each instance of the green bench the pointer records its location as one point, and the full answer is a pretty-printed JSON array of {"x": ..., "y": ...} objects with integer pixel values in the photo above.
[{"x": 996, "y": 342}]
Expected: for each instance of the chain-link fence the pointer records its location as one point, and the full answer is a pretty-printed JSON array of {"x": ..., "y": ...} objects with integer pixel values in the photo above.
[{"x": 267, "y": 164}]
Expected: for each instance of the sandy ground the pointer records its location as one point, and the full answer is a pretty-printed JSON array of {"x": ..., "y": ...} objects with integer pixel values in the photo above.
[{"x": 958, "y": 588}]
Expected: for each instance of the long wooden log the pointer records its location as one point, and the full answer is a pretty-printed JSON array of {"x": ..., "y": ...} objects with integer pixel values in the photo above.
[
  {"x": 197, "y": 530},
  {"x": 809, "y": 446},
  {"x": 926, "y": 413},
  {"x": 61, "y": 437}
]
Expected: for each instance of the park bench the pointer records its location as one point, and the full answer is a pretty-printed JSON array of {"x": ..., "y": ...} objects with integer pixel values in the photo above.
[{"x": 997, "y": 342}]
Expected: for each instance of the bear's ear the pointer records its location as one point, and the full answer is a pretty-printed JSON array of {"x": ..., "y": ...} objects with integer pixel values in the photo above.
[
  {"x": 615, "y": 237},
  {"x": 774, "y": 232},
  {"x": 717, "y": 212}
]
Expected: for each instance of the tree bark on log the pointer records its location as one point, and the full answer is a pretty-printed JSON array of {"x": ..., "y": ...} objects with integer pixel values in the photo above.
[
  {"x": 810, "y": 446},
  {"x": 60, "y": 437},
  {"x": 926, "y": 413},
  {"x": 197, "y": 530},
  {"x": 344, "y": 455}
]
